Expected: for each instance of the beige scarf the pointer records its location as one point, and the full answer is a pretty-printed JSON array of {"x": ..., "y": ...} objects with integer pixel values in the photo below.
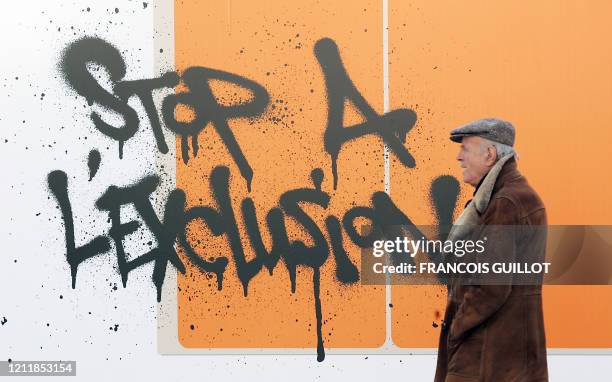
[{"x": 468, "y": 219}]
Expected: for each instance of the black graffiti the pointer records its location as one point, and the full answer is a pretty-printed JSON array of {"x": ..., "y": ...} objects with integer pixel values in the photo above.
[
  {"x": 74, "y": 67},
  {"x": 93, "y": 163},
  {"x": 164, "y": 232},
  {"x": 220, "y": 219},
  {"x": 392, "y": 126},
  {"x": 444, "y": 192},
  {"x": 58, "y": 185},
  {"x": 199, "y": 98}
]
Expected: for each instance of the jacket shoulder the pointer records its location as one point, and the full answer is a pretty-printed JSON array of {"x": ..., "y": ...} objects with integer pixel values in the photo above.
[{"x": 520, "y": 200}]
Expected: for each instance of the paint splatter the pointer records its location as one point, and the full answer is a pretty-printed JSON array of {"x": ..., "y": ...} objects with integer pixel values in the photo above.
[{"x": 93, "y": 163}]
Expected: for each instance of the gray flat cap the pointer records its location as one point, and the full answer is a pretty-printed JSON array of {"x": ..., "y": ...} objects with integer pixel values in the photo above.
[{"x": 493, "y": 129}]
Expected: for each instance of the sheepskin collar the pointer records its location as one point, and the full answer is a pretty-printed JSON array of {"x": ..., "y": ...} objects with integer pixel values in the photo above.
[
  {"x": 470, "y": 215},
  {"x": 483, "y": 194}
]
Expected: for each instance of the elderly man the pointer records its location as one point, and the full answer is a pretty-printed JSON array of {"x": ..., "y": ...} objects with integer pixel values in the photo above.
[{"x": 494, "y": 333}]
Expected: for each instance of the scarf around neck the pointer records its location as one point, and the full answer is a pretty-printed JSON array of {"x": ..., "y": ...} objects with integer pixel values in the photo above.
[{"x": 469, "y": 218}]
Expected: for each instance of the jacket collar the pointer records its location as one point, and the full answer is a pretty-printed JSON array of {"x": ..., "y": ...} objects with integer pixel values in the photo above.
[
  {"x": 508, "y": 173},
  {"x": 501, "y": 172}
]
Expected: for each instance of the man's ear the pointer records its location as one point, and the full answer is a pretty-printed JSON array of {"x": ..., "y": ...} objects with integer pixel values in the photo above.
[{"x": 491, "y": 156}]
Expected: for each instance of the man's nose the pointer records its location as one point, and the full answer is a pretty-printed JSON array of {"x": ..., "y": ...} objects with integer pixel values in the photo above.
[{"x": 459, "y": 157}]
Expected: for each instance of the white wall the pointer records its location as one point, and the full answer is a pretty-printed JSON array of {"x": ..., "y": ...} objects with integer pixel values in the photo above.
[{"x": 55, "y": 132}]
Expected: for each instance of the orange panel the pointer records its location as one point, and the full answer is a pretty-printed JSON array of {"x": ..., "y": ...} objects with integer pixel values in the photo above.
[
  {"x": 546, "y": 68},
  {"x": 273, "y": 45}
]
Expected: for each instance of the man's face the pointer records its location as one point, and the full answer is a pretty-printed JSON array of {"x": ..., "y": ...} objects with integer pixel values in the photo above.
[{"x": 476, "y": 158}]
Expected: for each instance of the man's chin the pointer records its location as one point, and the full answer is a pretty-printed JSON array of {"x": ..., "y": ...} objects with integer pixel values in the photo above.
[{"x": 469, "y": 180}]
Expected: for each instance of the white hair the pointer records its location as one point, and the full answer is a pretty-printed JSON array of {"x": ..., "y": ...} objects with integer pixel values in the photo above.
[{"x": 500, "y": 148}]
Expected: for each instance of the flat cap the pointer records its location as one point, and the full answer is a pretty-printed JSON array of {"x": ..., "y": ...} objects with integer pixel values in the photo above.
[{"x": 493, "y": 129}]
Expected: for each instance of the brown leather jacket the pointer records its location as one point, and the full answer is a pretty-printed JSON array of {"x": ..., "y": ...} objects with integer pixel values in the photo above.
[{"x": 495, "y": 333}]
